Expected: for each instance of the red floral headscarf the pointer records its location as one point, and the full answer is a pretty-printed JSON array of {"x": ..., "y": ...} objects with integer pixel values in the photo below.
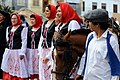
[
  {"x": 68, "y": 13},
  {"x": 38, "y": 20},
  {"x": 18, "y": 19},
  {"x": 52, "y": 12}
]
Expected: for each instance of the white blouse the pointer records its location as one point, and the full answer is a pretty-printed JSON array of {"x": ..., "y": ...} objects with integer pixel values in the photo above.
[{"x": 23, "y": 38}]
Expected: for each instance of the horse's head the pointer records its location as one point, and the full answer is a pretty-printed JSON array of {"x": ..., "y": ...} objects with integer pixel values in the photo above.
[
  {"x": 68, "y": 48},
  {"x": 63, "y": 49},
  {"x": 66, "y": 55},
  {"x": 62, "y": 43}
]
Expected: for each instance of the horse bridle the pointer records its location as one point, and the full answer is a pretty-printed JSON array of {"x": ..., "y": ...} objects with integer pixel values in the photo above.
[{"x": 67, "y": 72}]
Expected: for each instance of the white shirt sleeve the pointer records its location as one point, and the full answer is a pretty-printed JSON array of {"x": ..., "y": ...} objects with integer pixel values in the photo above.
[
  {"x": 115, "y": 46},
  {"x": 73, "y": 25},
  {"x": 115, "y": 78},
  {"x": 82, "y": 62},
  {"x": 24, "y": 40}
]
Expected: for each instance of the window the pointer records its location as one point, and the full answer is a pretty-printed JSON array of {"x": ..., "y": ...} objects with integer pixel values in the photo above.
[
  {"x": 103, "y": 5},
  {"x": 83, "y": 5},
  {"x": 114, "y": 8},
  {"x": 35, "y": 2},
  {"x": 76, "y": 7},
  {"x": 21, "y": 2},
  {"x": 94, "y": 5},
  {"x": 45, "y": 3}
]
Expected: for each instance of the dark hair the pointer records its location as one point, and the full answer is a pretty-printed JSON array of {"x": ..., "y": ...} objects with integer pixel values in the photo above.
[
  {"x": 57, "y": 6},
  {"x": 103, "y": 25},
  {"x": 48, "y": 7},
  {"x": 22, "y": 17},
  {"x": 32, "y": 16}
]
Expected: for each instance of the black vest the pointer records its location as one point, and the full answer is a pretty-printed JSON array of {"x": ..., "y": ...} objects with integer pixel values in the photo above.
[
  {"x": 64, "y": 29},
  {"x": 17, "y": 41},
  {"x": 36, "y": 38},
  {"x": 50, "y": 32},
  {"x": 3, "y": 41}
]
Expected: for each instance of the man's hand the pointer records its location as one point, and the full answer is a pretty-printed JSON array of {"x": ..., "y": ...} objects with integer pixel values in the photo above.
[{"x": 76, "y": 77}]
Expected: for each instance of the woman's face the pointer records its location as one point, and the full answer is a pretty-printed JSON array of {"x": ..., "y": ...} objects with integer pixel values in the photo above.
[
  {"x": 14, "y": 19},
  {"x": 33, "y": 21},
  {"x": 47, "y": 12},
  {"x": 1, "y": 17},
  {"x": 59, "y": 13}
]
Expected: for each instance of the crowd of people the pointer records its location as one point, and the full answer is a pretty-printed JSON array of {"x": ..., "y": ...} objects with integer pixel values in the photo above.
[{"x": 26, "y": 51}]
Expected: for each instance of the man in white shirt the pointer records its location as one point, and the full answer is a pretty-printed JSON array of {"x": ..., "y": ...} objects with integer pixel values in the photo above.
[{"x": 101, "y": 60}]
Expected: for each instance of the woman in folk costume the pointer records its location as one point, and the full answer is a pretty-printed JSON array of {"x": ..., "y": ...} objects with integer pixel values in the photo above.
[
  {"x": 34, "y": 34},
  {"x": 102, "y": 57},
  {"x": 14, "y": 60},
  {"x": 4, "y": 23},
  {"x": 45, "y": 44},
  {"x": 69, "y": 20},
  {"x": 68, "y": 17}
]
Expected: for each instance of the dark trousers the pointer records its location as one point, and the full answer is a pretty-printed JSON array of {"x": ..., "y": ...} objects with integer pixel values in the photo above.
[
  {"x": 1, "y": 72},
  {"x": 1, "y": 56}
]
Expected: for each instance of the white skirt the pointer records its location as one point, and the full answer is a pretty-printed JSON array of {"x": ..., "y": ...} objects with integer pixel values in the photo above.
[
  {"x": 12, "y": 64},
  {"x": 44, "y": 69},
  {"x": 33, "y": 61}
]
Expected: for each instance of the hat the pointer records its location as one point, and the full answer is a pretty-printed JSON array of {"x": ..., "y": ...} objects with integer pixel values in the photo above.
[{"x": 97, "y": 15}]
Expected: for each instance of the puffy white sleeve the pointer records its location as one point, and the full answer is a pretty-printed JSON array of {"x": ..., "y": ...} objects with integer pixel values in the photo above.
[
  {"x": 7, "y": 34},
  {"x": 40, "y": 41},
  {"x": 49, "y": 56},
  {"x": 73, "y": 25},
  {"x": 24, "y": 40}
]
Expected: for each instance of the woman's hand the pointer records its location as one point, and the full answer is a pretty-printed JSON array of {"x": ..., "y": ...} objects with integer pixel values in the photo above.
[
  {"x": 21, "y": 57},
  {"x": 45, "y": 60},
  {"x": 56, "y": 35}
]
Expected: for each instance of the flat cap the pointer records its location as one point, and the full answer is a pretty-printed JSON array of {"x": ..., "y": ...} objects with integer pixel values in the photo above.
[{"x": 97, "y": 15}]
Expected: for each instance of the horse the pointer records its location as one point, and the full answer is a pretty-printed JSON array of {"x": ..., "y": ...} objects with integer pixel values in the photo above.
[
  {"x": 68, "y": 52},
  {"x": 115, "y": 28}
]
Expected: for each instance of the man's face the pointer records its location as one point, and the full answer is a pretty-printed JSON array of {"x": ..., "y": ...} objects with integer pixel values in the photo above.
[{"x": 93, "y": 27}]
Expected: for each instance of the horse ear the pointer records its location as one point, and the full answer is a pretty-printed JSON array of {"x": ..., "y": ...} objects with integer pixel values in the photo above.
[{"x": 66, "y": 37}]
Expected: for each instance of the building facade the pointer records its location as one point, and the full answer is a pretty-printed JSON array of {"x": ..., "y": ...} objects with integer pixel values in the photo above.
[
  {"x": 80, "y": 6},
  {"x": 112, "y": 6},
  {"x": 38, "y": 6},
  {"x": 15, "y": 4}
]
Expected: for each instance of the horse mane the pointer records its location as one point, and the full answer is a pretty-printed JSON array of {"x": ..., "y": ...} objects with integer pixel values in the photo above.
[{"x": 81, "y": 31}]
